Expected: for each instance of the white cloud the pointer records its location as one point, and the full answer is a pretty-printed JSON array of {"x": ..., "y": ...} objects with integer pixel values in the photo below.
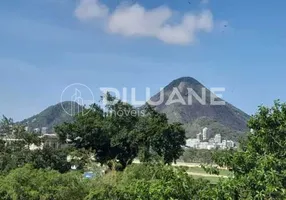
[
  {"x": 88, "y": 9},
  {"x": 135, "y": 20}
]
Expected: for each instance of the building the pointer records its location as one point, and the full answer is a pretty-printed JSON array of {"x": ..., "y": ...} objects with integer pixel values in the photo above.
[
  {"x": 217, "y": 138},
  {"x": 203, "y": 145},
  {"x": 8, "y": 140},
  {"x": 230, "y": 144},
  {"x": 211, "y": 146},
  {"x": 226, "y": 144},
  {"x": 212, "y": 141},
  {"x": 192, "y": 143},
  {"x": 205, "y": 134},
  {"x": 51, "y": 140},
  {"x": 223, "y": 144},
  {"x": 44, "y": 130},
  {"x": 199, "y": 136}
]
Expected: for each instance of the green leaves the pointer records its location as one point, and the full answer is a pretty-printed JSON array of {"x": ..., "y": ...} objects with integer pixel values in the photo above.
[
  {"x": 29, "y": 183},
  {"x": 259, "y": 165},
  {"x": 149, "y": 181},
  {"x": 157, "y": 137},
  {"x": 121, "y": 133}
]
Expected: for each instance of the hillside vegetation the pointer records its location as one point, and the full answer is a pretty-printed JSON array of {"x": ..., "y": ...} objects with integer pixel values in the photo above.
[
  {"x": 226, "y": 119},
  {"x": 53, "y": 116}
]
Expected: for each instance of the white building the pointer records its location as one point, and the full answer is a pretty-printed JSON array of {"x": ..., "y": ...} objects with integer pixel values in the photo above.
[
  {"x": 199, "y": 136},
  {"x": 230, "y": 144},
  {"x": 211, "y": 141},
  {"x": 203, "y": 145},
  {"x": 225, "y": 144},
  {"x": 217, "y": 138},
  {"x": 211, "y": 146},
  {"x": 192, "y": 143},
  {"x": 8, "y": 140},
  {"x": 51, "y": 140},
  {"x": 44, "y": 130},
  {"x": 205, "y": 133}
]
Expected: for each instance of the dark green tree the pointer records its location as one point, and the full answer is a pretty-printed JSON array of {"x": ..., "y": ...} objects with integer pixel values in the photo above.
[
  {"x": 157, "y": 137},
  {"x": 15, "y": 150},
  {"x": 259, "y": 165},
  {"x": 28, "y": 183},
  {"x": 49, "y": 158},
  {"x": 121, "y": 131},
  {"x": 108, "y": 133},
  {"x": 148, "y": 181},
  {"x": 6, "y": 125}
]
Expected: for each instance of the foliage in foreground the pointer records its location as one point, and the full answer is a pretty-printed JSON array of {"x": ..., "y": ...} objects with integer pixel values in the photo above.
[
  {"x": 146, "y": 181},
  {"x": 152, "y": 182},
  {"x": 259, "y": 166},
  {"x": 28, "y": 183}
]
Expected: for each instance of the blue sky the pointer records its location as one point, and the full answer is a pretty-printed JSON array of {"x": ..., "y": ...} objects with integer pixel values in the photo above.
[{"x": 47, "y": 45}]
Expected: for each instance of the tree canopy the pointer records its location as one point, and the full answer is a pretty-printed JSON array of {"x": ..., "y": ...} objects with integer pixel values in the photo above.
[
  {"x": 122, "y": 132},
  {"x": 259, "y": 166},
  {"x": 15, "y": 152}
]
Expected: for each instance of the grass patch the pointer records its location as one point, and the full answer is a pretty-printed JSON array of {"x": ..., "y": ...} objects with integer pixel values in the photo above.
[
  {"x": 200, "y": 170},
  {"x": 212, "y": 179}
]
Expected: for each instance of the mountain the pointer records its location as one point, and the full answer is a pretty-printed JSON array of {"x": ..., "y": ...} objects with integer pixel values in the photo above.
[
  {"x": 226, "y": 119},
  {"x": 53, "y": 116}
]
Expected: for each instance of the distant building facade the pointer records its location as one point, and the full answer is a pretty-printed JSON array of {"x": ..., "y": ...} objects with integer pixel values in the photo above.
[
  {"x": 204, "y": 141},
  {"x": 44, "y": 130},
  {"x": 205, "y": 134},
  {"x": 217, "y": 138},
  {"x": 199, "y": 136},
  {"x": 51, "y": 140}
]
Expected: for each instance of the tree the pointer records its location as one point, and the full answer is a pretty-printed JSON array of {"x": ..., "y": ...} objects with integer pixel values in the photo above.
[
  {"x": 46, "y": 158},
  {"x": 156, "y": 135},
  {"x": 148, "y": 181},
  {"x": 33, "y": 184},
  {"x": 6, "y": 126},
  {"x": 108, "y": 133},
  {"x": 49, "y": 158},
  {"x": 15, "y": 150},
  {"x": 17, "y": 133},
  {"x": 120, "y": 133},
  {"x": 259, "y": 166}
]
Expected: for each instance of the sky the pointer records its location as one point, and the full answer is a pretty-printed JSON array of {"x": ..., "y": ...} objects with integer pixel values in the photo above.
[{"x": 47, "y": 45}]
